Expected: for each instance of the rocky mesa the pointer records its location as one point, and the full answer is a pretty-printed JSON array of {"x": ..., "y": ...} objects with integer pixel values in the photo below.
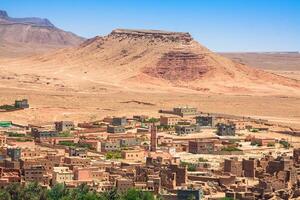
[{"x": 159, "y": 60}]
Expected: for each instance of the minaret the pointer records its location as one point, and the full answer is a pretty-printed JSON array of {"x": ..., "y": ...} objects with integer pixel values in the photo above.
[{"x": 153, "y": 131}]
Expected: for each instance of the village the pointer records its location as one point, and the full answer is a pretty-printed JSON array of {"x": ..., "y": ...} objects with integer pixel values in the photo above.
[{"x": 183, "y": 153}]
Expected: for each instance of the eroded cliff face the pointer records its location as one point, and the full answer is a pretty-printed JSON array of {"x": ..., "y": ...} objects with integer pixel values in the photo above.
[
  {"x": 179, "y": 65},
  {"x": 177, "y": 59},
  {"x": 154, "y": 35}
]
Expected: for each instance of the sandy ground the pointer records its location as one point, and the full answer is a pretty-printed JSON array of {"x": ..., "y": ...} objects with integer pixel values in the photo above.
[
  {"x": 48, "y": 105},
  {"x": 59, "y": 94}
]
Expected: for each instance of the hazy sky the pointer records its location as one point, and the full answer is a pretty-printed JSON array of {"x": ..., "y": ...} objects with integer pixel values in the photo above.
[{"x": 221, "y": 25}]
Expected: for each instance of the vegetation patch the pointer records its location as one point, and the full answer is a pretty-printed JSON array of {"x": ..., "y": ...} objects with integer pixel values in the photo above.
[
  {"x": 13, "y": 134},
  {"x": 190, "y": 166},
  {"x": 151, "y": 120},
  {"x": 230, "y": 149},
  {"x": 255, "y": 143},
  {"x": 34, "y": 191},
  {"x": 113, "y": 155},
  {"x": 65, "y": 134},
  {"x": 7, "y": 107},
  {"x": 202, "y": 159},
  {"x": 285, "y": 144}
]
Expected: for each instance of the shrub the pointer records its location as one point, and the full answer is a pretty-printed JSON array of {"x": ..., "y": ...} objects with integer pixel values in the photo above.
[
  {"x": 285, "y": 144},
  {"x": 255, "y": 143},
  {"x": 7, "y": 107},
  {"x": 13, "y": 134},
  {"x": 67, "y": 143},
  {"x": 190, "y": 166},
  {"x": 231, "y": 149},
  {"x": 151, "y": 120},
  {"x": 113, "y": 155},
  {"x": 202, "y": 159},
  {"x": 65, "y": 134},
  {"x": 271, "y": 144}
]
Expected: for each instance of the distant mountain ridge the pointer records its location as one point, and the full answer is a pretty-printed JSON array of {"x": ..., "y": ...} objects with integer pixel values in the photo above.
[
  {"x": 5, "y": 19},
  {"x": 32, "y": 34}
]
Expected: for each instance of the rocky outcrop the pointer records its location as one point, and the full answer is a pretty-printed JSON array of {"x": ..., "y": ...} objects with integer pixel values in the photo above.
[
  {"x": 179, "y": 66},
  {"x": 152, "y": 35},
  {"x": 141, "y": 58}
]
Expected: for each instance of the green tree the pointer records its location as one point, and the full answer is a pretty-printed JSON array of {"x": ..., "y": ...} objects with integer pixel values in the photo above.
[
  {"x": 33, "y": 191},
  {"x": 14, "y": 190},
  {"x": 57, "y": 192},
  {"x": 111, "y": 195},
  {"x": 4, "y": 195},
  {"x": 133, "y": 194},
  {"x": 83, "y": 192}
]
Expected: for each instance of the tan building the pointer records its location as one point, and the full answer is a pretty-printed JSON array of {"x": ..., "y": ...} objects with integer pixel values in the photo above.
[
  {"x": 30, "y": 152},
  {"x": 123, "y": 184},
  {"x": 185, "y": 111},
  {"x": 77, "y": 161},
  {"x": 169, "y": 121},
  {"x": 62, "y": 175},
  {"x": 134, "y": 155},
  {"x": 2, "y": 140},
  {"x": 38, "y": 174},
  {"x": 239, "y": 124}
]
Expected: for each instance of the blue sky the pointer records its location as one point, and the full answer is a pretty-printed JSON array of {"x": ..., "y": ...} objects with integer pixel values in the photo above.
[{"x": 221, "y": 25}]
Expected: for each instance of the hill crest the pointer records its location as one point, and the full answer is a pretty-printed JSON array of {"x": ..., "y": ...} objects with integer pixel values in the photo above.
[{"x": 160, "y": 60}]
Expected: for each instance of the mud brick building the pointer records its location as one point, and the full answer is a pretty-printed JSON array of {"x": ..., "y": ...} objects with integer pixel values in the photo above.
[
  {"x": 133, "y": 155},
  {"x": 116, "y": 129},
  {"x": 119, "y": 121},
  {"x": 81, "y": 152},
  {"x": 3, "y": 140},
  {"x": 62, "y": 175},
  {"x": 204, "y": 146},
  {"x": 43, "y": 136},
  {"x": 185, "y": 111},
  {"x": 226, "y": 129},
  {"x": 296, "y": 155},
  {"x": 47, "y": 164},
  {"x": 22, "y": 103},
  {"x": 168, "y": 121},
  {"x": 187, "y": 129},
  {"x": 14, "y": 153},
  {"x": 8, "y": 176},
  {"x": 110, "y": 146},
  {"x": 64, "y": 126},
  {"x": 123, "y": 184},
  {"x": 173, "y": 176},
  {"x": 233, "y": 166},
  {"x": 38, "y": 174},
  {"x": 76, "y": 161},
  {"x": 279, "y": 164},
  {"x": 249, "y": 167},
  {"x": 205, "y": 121},
  {"x": 130, "y": 142},
  {"x": 31, "y": 152}
]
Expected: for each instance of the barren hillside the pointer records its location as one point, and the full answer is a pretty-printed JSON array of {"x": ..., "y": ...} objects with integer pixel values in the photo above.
[
  {"x": 26, "y": 36},
  {"x": 156, "y": 60},
  {"x": 108, "y": 75}
]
